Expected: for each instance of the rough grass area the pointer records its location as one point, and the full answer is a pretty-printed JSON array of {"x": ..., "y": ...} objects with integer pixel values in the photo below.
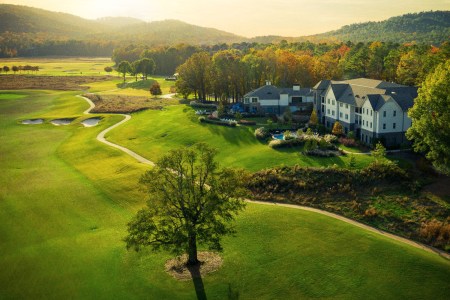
[
  {"x": 64, "y": 210},
  {"x": 64, "y": 83},
  {"x": 384, "y": 197},
  {"x": 127, "y": 104}
]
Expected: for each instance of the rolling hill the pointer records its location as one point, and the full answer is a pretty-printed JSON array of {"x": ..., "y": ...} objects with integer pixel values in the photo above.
[
  {"x": 28, "y": 31},
  {"x": 425, "y": 27}
]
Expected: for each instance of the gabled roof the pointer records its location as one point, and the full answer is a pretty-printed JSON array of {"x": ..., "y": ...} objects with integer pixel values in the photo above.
[
  {"x": 322, "y": 85},
  {"x": 357, "y": 91},
  {"x": 266, "y": 92},
  {"x": 270, "y": 92}
]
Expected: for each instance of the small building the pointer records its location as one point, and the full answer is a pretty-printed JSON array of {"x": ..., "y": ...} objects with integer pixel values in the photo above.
[
  {"x": 373, "y": 109},
  {"x": 269, "y": 99}
]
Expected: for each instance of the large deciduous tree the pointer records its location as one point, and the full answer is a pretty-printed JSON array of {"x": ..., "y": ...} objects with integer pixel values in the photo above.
[
  {"x": 146, "y": 66},
  {"x": 191, "y": 202},
  {"x": 124, "y": 67},
  {"x": 194, "y": 75},
  {"x": 430, "y": 130}
]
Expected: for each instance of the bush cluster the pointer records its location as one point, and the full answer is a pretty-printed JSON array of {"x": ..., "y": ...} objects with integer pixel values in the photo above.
[
  {"x": 195, "y": 104},
  {"x": 323, "y": 152},
  {"x": 261, "y": 133},
  {"x": 246, "y": 122},
  {"x": 348, "y": 142},
  {"x": 217, "y": 122},
  {"x": 276, "y": 144}
]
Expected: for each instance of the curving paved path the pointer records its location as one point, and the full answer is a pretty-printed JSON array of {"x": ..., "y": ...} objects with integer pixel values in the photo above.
[
  {"x": 101, "y": 135},
  {"x": 101, "y": 138}
]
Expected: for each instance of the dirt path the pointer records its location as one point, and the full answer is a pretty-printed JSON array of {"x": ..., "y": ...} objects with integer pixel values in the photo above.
[{"x": 101, "y": 138}]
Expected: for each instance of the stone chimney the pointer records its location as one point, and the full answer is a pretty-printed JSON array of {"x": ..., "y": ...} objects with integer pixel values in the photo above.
[
  {"x": 268, "y": 82},
  {"x": 296, "y": 87}
]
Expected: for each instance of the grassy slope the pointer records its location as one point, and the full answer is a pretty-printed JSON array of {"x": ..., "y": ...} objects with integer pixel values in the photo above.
[
  {"x": 152, "y": 133},
  {"x": 63, "y": 212}
]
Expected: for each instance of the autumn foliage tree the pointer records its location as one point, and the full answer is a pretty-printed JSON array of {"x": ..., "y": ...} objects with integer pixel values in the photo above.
[
  {"x": 155, "y": 89},
  {"x": 338, "y": 129}
]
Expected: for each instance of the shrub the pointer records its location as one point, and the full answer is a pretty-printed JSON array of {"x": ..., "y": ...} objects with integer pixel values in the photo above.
[
  {"x": 261, "y": 133},
  {"x": 348, "y": 142},
  {"x": 322, "y": 153},
  {"x": 385, "y": 169},
  {"x": 330, "y": 138},
  {"x": 351, "y": 135},
  {"x": 276, "y": 144},
  {"x": 195, "y": 104},
  {"x": 338, "y": 129},
  {"x": 217, "y": 121},
  {"x": 246, "y": 122},
  {"x": 436, "y": 232}
]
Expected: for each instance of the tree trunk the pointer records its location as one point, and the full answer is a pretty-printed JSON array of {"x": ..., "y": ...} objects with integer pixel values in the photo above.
[{"x": 192, "y": 250}]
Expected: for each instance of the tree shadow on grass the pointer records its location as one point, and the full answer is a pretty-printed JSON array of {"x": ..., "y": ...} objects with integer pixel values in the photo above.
[{"x": 198, "y": 281}]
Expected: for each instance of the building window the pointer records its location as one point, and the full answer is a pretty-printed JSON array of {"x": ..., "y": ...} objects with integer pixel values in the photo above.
[
  {"x": 246, "y": 100},
  {"x": 254, "y": 100},
  {"x": 332, "y": 102},
  {"x": 364, "y": 123},
  {"x": 323, "y": 100},
  {"x": 394, "y": 125},
  {"x": 328, "y": 111},
  {"x": 384, "y": 114},
  {"x": 384, "y": 125},
  {"x": 340, "y": 115},
  {"x": 370, "y": 124},
  {"x": 332, "y": 112},
  {"x": 395, "y": 113},
  {"x": 371, "y": 112},
  {"x": 346, "y": 116},
  {"x": 346, "y": 105},
  {"x": 328, "y": 101},
  {"x": 363, "y": 110},
  {"x": 340, "y": 104}
]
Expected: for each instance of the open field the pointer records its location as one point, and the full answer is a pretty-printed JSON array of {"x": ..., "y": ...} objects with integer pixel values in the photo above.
[
  {"x": 62, "y": 66},
  {"x": 77, "y": 195}
]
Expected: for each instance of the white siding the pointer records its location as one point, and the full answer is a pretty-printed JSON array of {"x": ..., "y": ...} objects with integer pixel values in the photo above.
[
  {"x": 367, "y": 119},
  {"x": 386, "y": 117},
  {"x": 330, "y": 108},
  {"x": 284, "y": 99}
]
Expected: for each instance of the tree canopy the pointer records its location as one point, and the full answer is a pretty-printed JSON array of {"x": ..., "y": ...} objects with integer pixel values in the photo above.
[
  {"x": 430, "y": 130},
  {"x": 124, "y": 68},
  {"x": 191, "y": 200}
]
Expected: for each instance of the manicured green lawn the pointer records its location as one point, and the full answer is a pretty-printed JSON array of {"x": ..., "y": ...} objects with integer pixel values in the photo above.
[
  {"x": 152, "y": 133},
  {"x": 65, "y": 200}
]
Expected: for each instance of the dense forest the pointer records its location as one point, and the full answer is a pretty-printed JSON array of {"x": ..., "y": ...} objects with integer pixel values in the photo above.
[
  {"x": 230, "y": 71},
  {"x": 27, "y": 31}
]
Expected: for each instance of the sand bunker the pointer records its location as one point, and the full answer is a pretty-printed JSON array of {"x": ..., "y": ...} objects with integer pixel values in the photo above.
[
  {"x": 59, "y": 122},
  {"x": 91, "y": 122},
  {"x": 33, "y": 121}
]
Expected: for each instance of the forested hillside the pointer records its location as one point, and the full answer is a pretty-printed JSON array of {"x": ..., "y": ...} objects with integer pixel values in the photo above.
[
  {"x": 27, "y": 31},
  {"x": 425, "y": 27}
]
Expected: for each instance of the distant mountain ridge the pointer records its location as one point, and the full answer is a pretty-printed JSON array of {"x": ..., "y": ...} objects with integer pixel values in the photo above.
[{"x": 22, "y": 24}]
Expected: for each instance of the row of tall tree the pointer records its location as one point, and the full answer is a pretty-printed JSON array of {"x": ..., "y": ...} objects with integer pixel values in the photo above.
[
  {"x": 231, "y": 73},
  {"x": 143, "y": 66}
]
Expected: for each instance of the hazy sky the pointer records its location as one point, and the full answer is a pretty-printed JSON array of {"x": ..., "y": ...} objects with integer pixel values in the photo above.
[{"x": 246, "y": 17}]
